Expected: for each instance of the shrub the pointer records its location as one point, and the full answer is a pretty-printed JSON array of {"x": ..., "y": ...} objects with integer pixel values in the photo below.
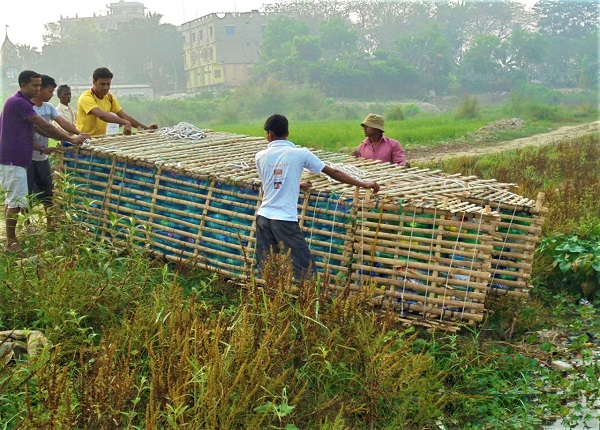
[
  {"x": 411, "y": 110},
  {"x": 467, "y": 108},
  {"x": 576, "y": 261},
  {"x": 395, "y": 113}
]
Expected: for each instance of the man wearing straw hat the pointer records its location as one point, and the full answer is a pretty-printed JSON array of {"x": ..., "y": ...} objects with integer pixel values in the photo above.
[
  {"x": 280, "y": 168},
  {"x": 97, "y": 107},
  {"x": 376, "y": 146}
]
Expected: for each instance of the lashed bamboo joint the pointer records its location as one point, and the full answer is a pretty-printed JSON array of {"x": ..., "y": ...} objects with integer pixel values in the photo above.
[{"x": 434, "y": 245}]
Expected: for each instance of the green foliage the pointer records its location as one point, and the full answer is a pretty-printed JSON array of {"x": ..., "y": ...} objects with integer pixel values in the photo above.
[
  {"x": 545, "y": 104},
  {"x": 395, "y": 113},
  {"x": 468, "y": 108},
  {"x": 577, "y": 258},
  {"x": 411, "y": 110},
  {"x": 340, "y": 135},
  {"x": 255, "y": 101},
  {"x": 496, "y": 381},
  {"x": 174, "y": 342},
  {"x": 430, "y": 53}
]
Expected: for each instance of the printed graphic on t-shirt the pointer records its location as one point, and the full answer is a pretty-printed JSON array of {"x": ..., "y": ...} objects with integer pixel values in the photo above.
[{"x": 277, "y": 178}]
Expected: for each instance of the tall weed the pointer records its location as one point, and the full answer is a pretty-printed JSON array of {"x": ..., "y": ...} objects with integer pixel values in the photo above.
[{"x": 468, "y": 108}]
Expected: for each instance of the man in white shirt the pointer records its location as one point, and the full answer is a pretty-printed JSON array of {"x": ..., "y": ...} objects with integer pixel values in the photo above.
[
  {"x": 39, "y": 172},
  {"x": 280, "y": 168},
  {"x": 63, "y": 92}
]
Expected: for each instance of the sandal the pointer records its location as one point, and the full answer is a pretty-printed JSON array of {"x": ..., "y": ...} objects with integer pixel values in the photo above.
[{"x": 14, "y": 247}]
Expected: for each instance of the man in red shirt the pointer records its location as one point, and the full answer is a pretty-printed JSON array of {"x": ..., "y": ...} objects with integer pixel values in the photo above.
[{"x": 376, "y": 146}]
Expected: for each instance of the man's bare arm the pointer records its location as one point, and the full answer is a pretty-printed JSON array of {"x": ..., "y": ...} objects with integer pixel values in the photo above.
[
  {"x": 66, "y": 125},
  {"x": 134, "y": 122},
  {"x": 49, "y": 130},
  {"x": 110, "y": 117},
  {"x": 340, "y": 176}
]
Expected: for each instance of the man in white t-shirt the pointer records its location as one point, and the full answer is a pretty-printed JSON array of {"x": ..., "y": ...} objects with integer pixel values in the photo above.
[
  {"x": 39, "y": 172},
  {"x": 280, "y": 168}
]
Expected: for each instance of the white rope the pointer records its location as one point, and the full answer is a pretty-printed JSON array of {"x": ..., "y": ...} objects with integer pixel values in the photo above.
[
  {"x": 472, "y": 264},
  {"x": 183, "y": 130},
  {"x": 240, "y": 165},
  {"x": 312, "y": 221},
  {"x": 362, "y": 240},
  {"x": 333, "y": 226},
  {"x": 412, "y": 227},
  {"x": 452, "y": 260},
  {"x": 431, "y": 253}
]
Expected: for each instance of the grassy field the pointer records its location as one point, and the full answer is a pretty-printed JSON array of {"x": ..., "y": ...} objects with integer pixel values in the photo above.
[
  {"x": 346, "y": 135},
  {"x": 141, "y": 343},
  {"x": 138, "y": 343}
]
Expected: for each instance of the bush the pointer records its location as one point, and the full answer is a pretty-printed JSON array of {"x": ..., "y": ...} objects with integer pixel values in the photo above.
[
  {"x": 395, "y": 113},
  {"x": 468, "y": 108},
  {"x": 575, "y": 261},
  {"x": 411, "y": 110}
]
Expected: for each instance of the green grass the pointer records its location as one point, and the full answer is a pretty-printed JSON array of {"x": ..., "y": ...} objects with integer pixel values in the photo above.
[
  {"x": 346, "y": 135},
  {"x": 139, "y": 343}
]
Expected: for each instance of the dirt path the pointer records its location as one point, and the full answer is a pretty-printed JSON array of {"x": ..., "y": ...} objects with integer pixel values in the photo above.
[{"x": 459, "y": 149}]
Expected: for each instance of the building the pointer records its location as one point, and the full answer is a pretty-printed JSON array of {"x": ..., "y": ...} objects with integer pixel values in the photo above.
[
  {"x": 10, "y": 67},
  {"x": 117, "y": 14},
  {"x": 140, "y": 91},
  {"x": 220, "y": 49}
]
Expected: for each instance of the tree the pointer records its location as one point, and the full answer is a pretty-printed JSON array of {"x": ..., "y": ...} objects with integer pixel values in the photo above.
[
  {"x": 430, "y": 53},
  {"x": 29, "y": 56},
  {"x": 571, "y": 33},
  {"x": 73, "y": 58},
  {"x": 144, "y": 50},
  {"x": 52, "y": 33},
  {"x": 571, "y": 19},
  {"x": 337, "y": 36},
  {"x": 279, "y": 35}
]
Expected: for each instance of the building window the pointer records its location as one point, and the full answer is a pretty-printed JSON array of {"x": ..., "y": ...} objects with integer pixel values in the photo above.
[
  {"x": 230, "y": 30},
  {"x": 210, "y": 32},
  {"x": 200, "y": 34},
  {"x": 217, "y": 74},
  {"x": 263, "y": 28}
]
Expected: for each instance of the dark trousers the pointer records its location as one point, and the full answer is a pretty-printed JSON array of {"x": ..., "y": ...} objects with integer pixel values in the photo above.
[
  {"x": 271, "y": 233},
  {"x": 39, "y": 181}
]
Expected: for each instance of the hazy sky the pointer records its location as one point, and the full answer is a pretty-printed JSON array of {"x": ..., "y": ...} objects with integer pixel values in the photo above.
[{"x": 26, "y": 21}]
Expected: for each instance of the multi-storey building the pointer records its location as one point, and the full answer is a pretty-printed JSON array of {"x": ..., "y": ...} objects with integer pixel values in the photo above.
[
  {"x": 221, "y": 49},
  {"x": 117, "y": 14}
]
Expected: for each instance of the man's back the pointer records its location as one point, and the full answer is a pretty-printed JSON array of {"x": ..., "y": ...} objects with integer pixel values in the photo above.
[{"x": 280, "y": 168}]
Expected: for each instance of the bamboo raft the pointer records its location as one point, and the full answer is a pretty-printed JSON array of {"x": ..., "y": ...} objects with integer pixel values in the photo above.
[{"x": 433, "y": 245}]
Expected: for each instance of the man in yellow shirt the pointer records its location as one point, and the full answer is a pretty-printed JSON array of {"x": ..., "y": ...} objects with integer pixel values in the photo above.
[{"x": 97, "y": 107}]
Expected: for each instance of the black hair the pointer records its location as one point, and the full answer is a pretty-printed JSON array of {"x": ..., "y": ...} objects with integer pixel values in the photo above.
[
  {"x": 102, "y": 73},
  {"x": 62, "y": 89},
  {"x": 278, "y": 124},
  {"x": 27, "y": 75},
  {"x": 48, "y": 81}
]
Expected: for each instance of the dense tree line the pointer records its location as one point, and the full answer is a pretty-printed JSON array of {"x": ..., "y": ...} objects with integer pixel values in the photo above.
[
  {"x": 377, "y": 48},
  {"x": 140, "y": 51}
]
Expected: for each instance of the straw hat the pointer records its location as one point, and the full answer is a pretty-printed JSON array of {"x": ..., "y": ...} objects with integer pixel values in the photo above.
[{"x": 374, "y": 121}]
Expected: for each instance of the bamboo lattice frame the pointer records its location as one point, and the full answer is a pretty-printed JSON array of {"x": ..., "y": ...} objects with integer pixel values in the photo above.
[{"x": 433, "y": 244}]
